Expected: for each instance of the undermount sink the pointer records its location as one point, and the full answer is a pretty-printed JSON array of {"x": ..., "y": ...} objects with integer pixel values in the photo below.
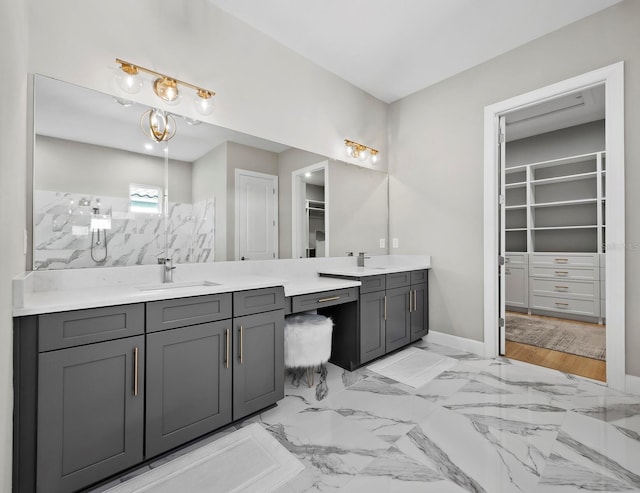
[{"x": 176, "y": 285}]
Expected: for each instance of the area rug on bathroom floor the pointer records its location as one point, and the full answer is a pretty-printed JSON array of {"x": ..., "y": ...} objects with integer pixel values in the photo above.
[
  {"x": 247, "y": 460},
  {"x": 568, "y": 336},
  {"x": 413, "y": 367}
]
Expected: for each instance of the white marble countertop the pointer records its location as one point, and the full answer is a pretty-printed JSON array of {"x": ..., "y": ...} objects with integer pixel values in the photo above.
[{"x": 74, "y": 289}]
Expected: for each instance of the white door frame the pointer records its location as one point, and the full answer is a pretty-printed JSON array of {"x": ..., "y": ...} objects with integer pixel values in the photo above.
[
  {"x": 297, "y": 206},
  {"x": 612, "y": 76},
  {"x": 257, "y": 174}
]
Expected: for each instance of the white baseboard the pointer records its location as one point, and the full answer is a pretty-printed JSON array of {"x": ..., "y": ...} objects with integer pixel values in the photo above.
[
  {"x": 461, "y": 343},
  {"x": 632, "y": 384}
]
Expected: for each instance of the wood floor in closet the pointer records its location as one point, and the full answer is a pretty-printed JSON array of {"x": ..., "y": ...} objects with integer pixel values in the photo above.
[{"x": 565, "y": 362}]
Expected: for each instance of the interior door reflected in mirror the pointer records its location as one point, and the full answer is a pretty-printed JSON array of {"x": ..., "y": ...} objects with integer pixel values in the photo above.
[{"x": 105, "y": 194}]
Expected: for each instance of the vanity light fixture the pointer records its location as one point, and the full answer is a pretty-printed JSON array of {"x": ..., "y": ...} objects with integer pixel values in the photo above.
[
  {"x": 158, "y": 125},
  {"x": 360, "y": 151},
  {"x": 165, "y": 87}
]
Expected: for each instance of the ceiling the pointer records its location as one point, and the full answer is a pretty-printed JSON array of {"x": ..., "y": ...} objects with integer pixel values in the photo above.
[{"x": 392, "y": 48}]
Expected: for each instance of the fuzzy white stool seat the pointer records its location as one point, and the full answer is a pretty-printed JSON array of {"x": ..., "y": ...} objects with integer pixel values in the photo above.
[{"x": 307, "y": 342}]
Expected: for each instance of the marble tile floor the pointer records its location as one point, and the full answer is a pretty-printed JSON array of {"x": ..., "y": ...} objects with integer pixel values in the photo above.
[{"x": 481, "y": 425}]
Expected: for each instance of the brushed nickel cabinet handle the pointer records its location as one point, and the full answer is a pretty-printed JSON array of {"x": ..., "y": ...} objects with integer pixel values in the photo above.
[
  {"x": 385, "y": 307},
  {"x": 561, "y": 287},
  {"x": 561, "y": 304},
  {"x": 135, "y": 371},
  {"x": 562, "y": 272},
  {"x": 226, "y": 341},
  {"x": 410, "y": 293},
  {"x": 561, "y": 260},
  {"x": 415, "y": 300},
  {"x": 241, "y": 344},
  {"x": 324, "y": 300}
]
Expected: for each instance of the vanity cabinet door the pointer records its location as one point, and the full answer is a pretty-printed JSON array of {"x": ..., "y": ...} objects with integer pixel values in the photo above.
[
  {"x": 419, "y": 311},
  {"x": 90, "y": 413},
  {"x": 188, "y": 384},
  {"x": 398, "y": 328},
  {"x": 258, "y": 362},
  {"x": 372, "y": 326}
]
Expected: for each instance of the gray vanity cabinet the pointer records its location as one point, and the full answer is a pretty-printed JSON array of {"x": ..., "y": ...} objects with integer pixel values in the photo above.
[
  {"x": 419, "y": 310},
  {"x": 372, "y": 326},
  {"x": 397, "y": 318},
  {"x": 189, "y": 379},
  {"x": 90, "y": 413},
  {"x": 258, "y": 361}
]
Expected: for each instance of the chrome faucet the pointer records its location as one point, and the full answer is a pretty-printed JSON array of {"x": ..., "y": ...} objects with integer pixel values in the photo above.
[
  {"x": 361, "y": 257},
  {"x": 167, "y": 271}
]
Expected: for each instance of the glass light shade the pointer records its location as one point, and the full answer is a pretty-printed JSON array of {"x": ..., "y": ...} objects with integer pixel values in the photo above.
[
  {"x": 362, "y": 155},
  {"x": 129, "y": 81},
  {"x": 348, "y": 150},
  {"x": 374, "y": 158},
  {"x": 204, "y": 102},
  {"x": 166, "y": 89}
]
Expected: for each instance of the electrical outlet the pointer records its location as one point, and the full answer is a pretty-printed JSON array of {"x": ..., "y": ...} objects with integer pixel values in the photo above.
[
  {"x": 383, "y": 243},
  {"x": 395, "y": 243}
]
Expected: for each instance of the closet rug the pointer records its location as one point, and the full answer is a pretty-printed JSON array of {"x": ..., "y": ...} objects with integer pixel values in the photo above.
[{"x": 568, "y": 336}]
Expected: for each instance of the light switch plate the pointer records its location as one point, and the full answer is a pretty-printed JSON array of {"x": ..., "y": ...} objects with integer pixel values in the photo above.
[{"x": 395, "y": 243}]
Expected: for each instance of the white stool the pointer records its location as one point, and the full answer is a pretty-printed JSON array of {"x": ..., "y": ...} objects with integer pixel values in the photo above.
[{"x": 307, "y": 342}]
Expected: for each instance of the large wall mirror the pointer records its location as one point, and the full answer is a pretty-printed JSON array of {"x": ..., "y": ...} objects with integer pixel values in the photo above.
[{"x": 105, "y": 194}]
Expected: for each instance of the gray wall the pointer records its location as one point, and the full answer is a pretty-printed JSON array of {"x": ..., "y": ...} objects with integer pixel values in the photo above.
[
  {"x": 436, "y": 161},
  {"x": 13, "y": 108},
  {"x": 572, "y": 141},
  {"x": 357, "y": 209},
  {"x": 64, "y": 165},
  {"x": 209, "y": 177}
]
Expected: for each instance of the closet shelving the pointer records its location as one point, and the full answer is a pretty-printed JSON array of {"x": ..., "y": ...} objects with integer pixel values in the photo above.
[
  {"x": 314, "y": 224},
  {"x": 553, "y": 206},
  {"x": 554, "y": 235}
]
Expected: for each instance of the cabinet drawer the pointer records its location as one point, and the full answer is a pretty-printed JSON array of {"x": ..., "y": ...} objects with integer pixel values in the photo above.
[
  {"x": 573, "y": 289},
  {"x": 371, "y": 284},
  {"x": 258, "y": 301},
  {"x": 561, "y": 259},
  {"x": 419, "y": 276},
  {"x": 78, "y": 327},
  {"x": 516, "y": 259},
  {"x": 581, "y": 307},
  {"x": 314, "y": 301},
  {"x": 398, "y": 280},
  {"x": 564, "y": 273},
  {"x": 169, "y": 314}
]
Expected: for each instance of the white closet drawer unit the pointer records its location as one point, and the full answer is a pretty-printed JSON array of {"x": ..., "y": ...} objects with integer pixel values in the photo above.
[
  {"x": 564, "y": 259},
  {"x": 516, "y": 286},
  {"x": 567, "y": 305},
  {"x": 516, "y": 259},
  {"x": 583, "y": 274},
  {"x": 588, "y": 290}
]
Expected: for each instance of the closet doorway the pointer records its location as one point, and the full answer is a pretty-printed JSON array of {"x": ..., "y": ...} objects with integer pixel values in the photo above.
[
  {"x": 553, "y": 180},
  {"x": 310, "y": 211},
  {"x": 554, "y": 238}
]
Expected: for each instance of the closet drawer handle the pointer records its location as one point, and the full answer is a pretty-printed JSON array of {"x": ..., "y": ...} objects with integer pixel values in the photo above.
[
  {"x": 561, "y": 304},
  {"x": 324, "y": 300},
  {"x": 561, "y": 260},
  {"x": 507, "y": 271},
  {"x": 561, "y": 287},
  {"x": 562, "y": 272}
]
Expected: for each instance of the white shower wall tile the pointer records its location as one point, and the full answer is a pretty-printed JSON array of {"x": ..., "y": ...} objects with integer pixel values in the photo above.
[{"x": 134, "y": 238}]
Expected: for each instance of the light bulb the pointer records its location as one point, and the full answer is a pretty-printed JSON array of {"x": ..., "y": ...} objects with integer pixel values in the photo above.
[
  {"x": 363, "y": 155},
  {"x": 167, "y": 90},
  {"x": 128, "y": 79},
  {"x": 348, "y": 150},
  {"x": 204, "y": 102},
  {"x": 374, "y": 157}
]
